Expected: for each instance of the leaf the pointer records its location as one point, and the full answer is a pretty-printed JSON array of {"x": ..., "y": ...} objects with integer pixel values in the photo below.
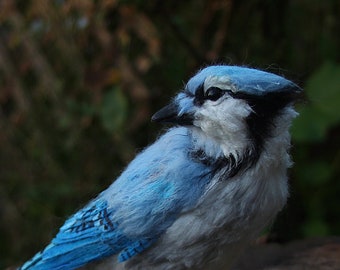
[
  {"x": 310, "y": 126},
  {"x": 323, "y": 89},
  {"x": 315, "y": 227},
  {"x": 315, "y": 173},
  {"x": 322, "y": 113},
  {"x": 113, "y": 110}
]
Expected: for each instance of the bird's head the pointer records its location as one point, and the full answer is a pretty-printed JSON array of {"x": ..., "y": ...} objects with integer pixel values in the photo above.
[{"x": 230, "y": 109}]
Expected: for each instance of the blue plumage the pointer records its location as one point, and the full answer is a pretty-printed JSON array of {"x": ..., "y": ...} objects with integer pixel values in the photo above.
[
  {"x": 88, "y": 235},
  {"x": 245, "y": 80},
  {"x": 198, "y": 188},
  {"x": 131, "y": 214}
]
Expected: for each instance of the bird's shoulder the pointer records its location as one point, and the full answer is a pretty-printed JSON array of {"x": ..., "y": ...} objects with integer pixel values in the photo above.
[{"x": 154, "y": 188}]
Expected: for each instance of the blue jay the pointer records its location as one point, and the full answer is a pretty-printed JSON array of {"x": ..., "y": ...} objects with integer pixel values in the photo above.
[{"x": 202, "y": 192}]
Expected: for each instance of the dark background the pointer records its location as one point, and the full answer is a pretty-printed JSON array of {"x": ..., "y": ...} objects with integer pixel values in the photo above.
[{"x": 79, "y": 81}]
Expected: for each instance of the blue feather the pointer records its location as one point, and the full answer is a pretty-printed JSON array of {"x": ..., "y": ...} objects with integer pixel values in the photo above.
[
  {"x": 153, "y": 190},
  {"x": 134, "y": 249},
  {"x": 246, "y": 80},
  {"x": 88, "y": 235},
  {"x": 130, "y": 215}
]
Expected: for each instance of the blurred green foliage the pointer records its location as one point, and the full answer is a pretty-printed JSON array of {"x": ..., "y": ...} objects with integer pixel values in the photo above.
[
  {"x": 316, "y": 136},
  {"x": 322, "y": 112},
  {"x": 79, "y": 81}
]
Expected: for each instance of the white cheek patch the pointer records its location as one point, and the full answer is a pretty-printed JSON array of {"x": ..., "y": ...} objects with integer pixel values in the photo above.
[
  {"x": 225, "y": 123},
  {"x": 222, "y": 82}
]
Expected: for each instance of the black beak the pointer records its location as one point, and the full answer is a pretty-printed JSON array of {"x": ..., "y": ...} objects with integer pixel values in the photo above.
[{"x": 169, "y": 115}]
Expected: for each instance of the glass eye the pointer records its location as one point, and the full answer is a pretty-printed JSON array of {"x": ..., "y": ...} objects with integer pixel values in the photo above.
[{"x": 213, "y": 93}]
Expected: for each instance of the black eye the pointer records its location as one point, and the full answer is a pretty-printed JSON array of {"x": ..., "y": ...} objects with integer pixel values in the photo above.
[{"x": 213, "y": 93}]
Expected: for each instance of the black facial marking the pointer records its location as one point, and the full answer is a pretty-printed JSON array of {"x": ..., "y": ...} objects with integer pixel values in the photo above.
[
  {"x": 265, "y": 108},
  {"x": 212, "y": 93},
  {"x": 199, "y": 96},
  {"x": 230, "y": 166}
]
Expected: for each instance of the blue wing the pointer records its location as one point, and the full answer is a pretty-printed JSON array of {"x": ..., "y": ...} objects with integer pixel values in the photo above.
[
  {"x": 87, "y": 236},
  {"x": 134, "y": 211}
]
